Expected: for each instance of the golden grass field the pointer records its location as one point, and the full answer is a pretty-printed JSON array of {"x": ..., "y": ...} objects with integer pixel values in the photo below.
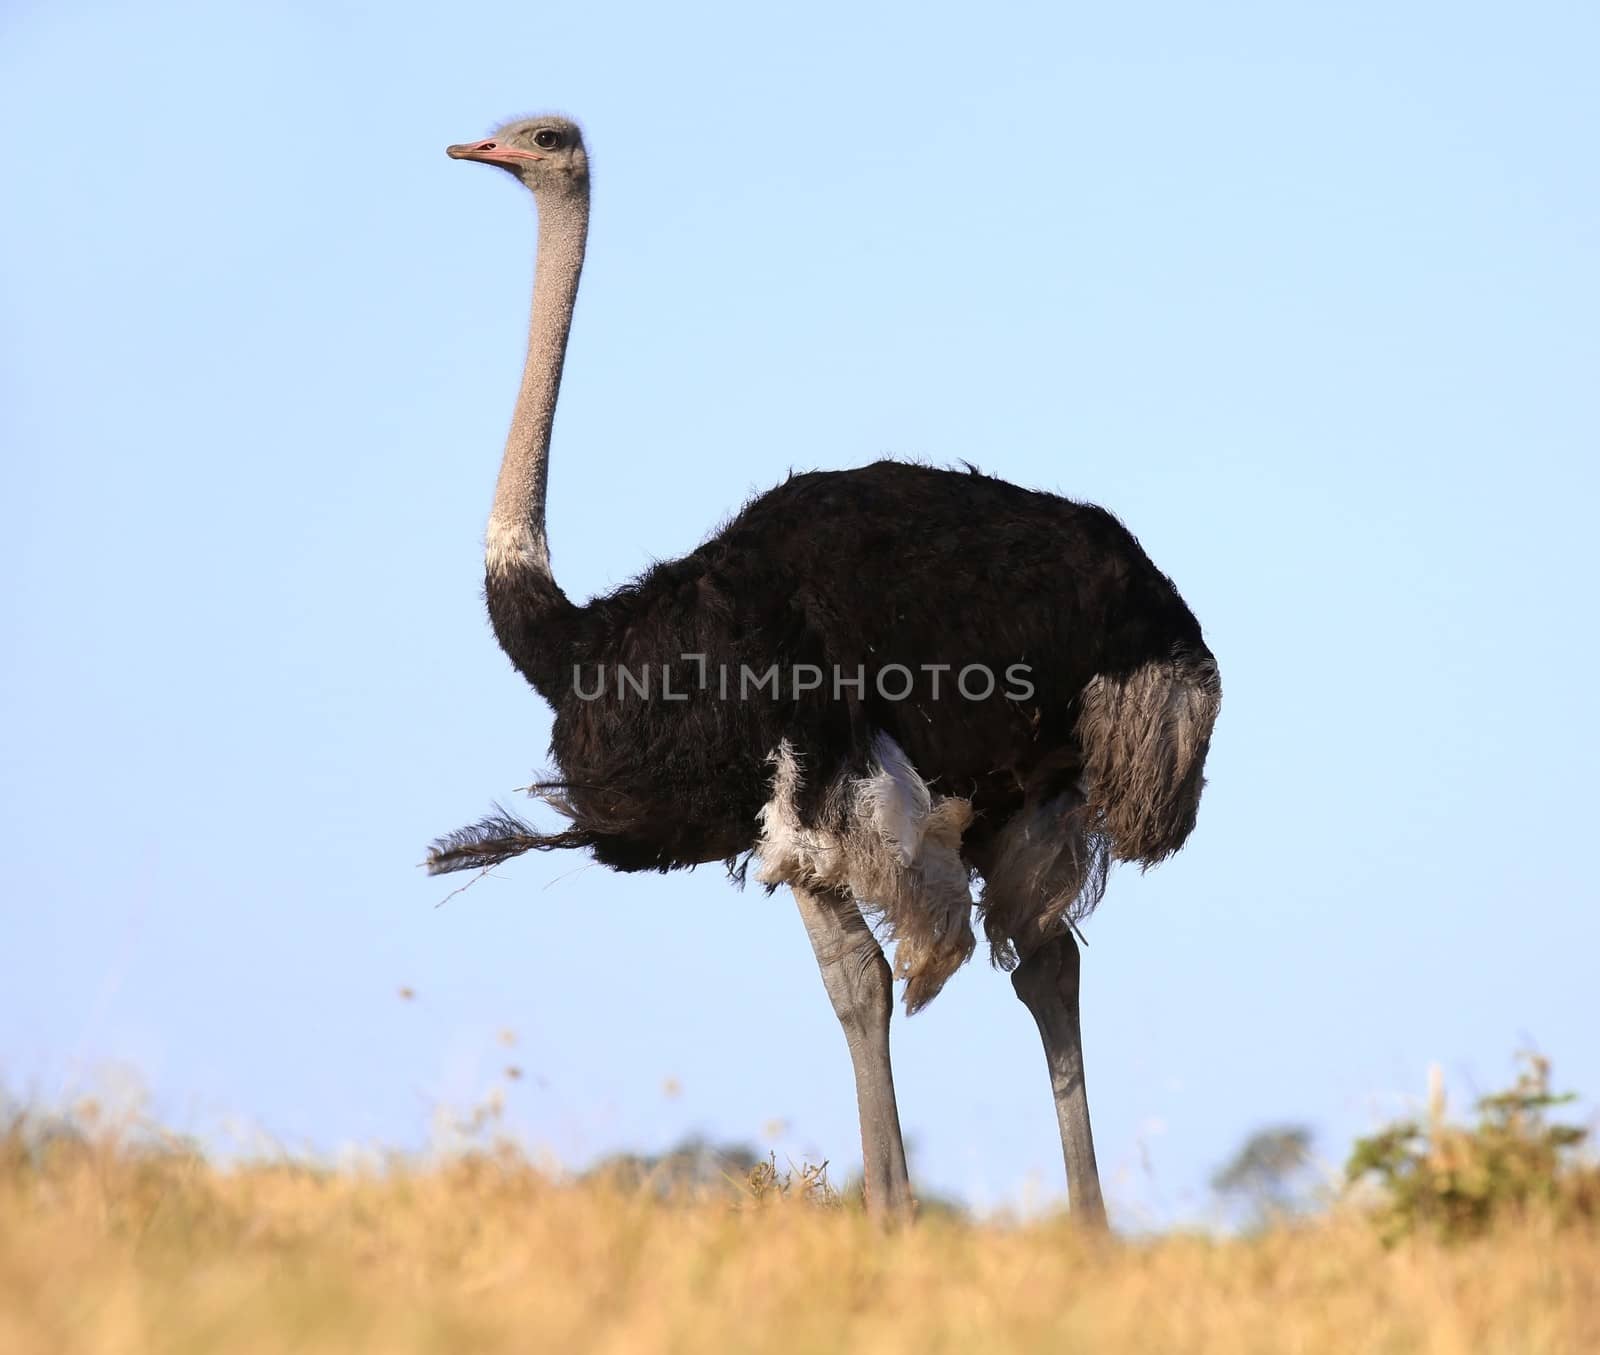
[{"x": 107, "y": 1249}]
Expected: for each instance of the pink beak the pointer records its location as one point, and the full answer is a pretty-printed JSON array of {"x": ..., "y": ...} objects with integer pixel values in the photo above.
[{"x": 491, "y": 152}]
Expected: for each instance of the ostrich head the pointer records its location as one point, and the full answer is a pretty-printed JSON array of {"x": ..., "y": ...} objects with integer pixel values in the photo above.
[{"x": 546, "y": 153}]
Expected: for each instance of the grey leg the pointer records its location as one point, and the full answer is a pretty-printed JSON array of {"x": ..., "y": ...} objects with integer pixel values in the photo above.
[
  {"x": 859, "y": 984},
  {"x": 1047, "y": 981}
]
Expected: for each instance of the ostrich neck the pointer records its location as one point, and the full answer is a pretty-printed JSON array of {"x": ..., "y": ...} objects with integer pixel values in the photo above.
[{"x": 516, "y": 537}]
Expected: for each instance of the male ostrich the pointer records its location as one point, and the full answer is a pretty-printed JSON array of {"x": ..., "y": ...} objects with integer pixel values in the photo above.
[{"x": 879, "y": 684}]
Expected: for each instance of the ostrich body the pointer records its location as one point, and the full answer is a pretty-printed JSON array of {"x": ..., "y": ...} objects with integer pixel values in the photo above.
[{"x": 877, "y": 686}]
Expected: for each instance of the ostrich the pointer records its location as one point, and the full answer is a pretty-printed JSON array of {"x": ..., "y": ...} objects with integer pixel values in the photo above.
[{"x": 878, "y": 686}]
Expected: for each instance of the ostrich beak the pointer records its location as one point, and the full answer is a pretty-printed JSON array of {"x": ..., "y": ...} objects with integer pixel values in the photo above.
[{"x": 491, "y": 152}]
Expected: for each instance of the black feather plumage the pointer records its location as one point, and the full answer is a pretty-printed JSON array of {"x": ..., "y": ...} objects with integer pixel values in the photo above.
[{"x": 892, "y": 564}]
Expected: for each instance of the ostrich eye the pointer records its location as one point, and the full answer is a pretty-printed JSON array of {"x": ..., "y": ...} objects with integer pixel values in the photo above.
[{"x": 545, "y": 139}]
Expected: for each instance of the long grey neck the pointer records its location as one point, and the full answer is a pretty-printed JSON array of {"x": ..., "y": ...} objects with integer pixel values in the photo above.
[{"x": 516, "y": 535}]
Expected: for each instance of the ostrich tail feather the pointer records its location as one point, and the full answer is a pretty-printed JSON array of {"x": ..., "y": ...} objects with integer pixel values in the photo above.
[
  {"x": 1145, "y": 737},
  {"x": 497, "y": 837}
]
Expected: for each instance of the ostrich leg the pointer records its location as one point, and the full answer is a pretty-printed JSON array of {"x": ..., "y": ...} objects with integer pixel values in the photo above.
[
  {"x": 1047, "y": 981},
  {"x": 859, "y": 984}
]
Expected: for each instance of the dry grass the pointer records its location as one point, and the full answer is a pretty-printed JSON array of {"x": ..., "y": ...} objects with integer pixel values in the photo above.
[{"x": 106, "y": 1248}]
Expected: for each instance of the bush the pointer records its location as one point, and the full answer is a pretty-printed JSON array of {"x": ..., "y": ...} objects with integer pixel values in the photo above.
[
  {"x": 1270, "y": 1176},
  {"x": 1456, "y": 1181}
]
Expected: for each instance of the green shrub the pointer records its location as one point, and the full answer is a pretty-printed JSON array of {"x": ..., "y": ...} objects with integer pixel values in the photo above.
[{"x": 1456, "y": 1181}]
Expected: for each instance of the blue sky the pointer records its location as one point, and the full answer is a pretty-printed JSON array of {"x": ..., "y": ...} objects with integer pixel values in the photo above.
[{"x": 1306, "y": 294}]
